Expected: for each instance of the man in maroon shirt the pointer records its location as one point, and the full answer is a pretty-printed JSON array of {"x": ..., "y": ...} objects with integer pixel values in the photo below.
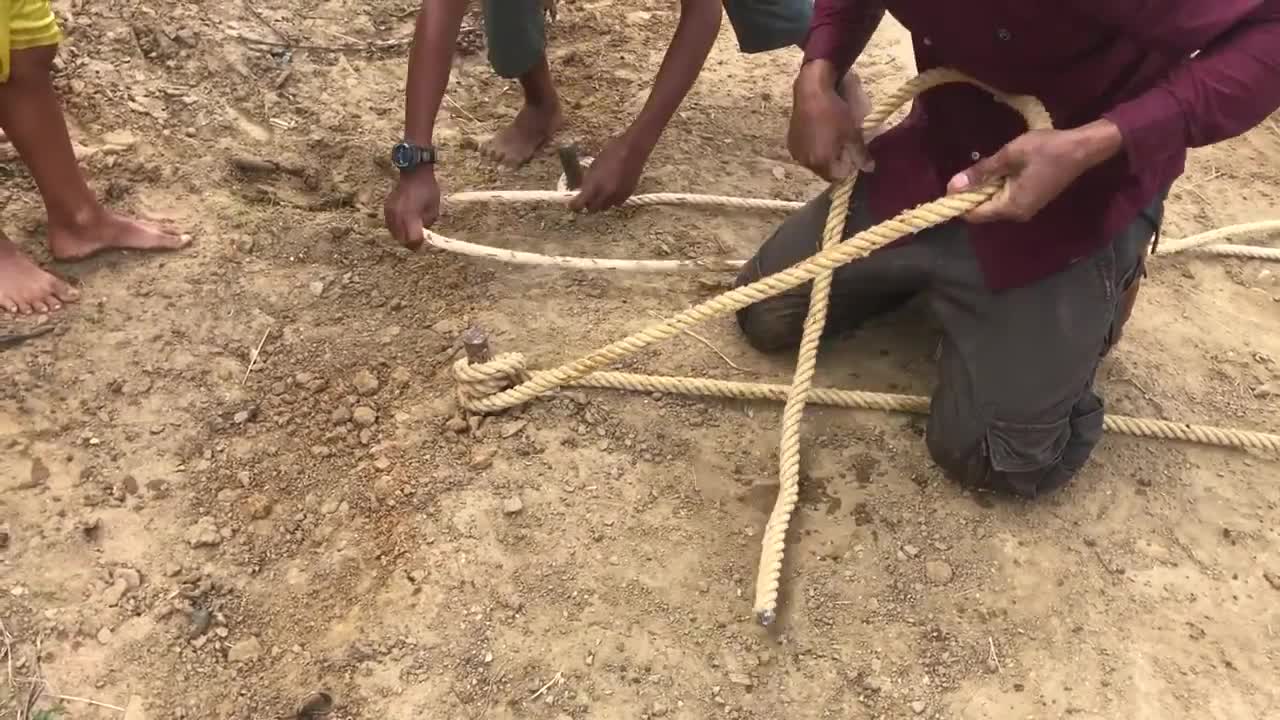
[{"x": 1032, "y": 288}]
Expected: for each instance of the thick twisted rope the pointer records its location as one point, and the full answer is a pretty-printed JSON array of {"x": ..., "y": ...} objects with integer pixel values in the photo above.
[
  {"x": 484, "y": 387},
  {"x": 478, "y": 381}
]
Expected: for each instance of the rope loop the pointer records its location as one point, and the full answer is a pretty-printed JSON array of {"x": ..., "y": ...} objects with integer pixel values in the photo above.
[{"x": 479, "y": 381}]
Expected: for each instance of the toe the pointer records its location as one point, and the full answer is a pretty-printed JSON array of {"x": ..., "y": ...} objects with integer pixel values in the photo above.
[{"x": 65, "y": 293}]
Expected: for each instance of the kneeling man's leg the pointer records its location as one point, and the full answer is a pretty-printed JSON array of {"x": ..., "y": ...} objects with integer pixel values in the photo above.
[{"x": 1015, "y": 408}]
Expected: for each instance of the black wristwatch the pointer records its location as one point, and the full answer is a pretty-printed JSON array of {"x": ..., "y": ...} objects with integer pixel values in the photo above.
[{"x": 407, "y": 157}]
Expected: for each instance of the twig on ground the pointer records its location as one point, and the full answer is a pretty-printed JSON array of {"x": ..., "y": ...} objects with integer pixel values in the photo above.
[
  {"x": 8, "y": 651},
  {"x": 87, "y": 701},
  {"x": 557, "y": 678},
  {"x": 370, "y": 46},
  {"x": 251, "y": 164},
  {"x": 253, "y": 357},
  {"x": 453, "y": 103},
  {"x": 994, "y": 657},
  {"x": 707, "y": 342},
  {"x": 262, "y": 19}
]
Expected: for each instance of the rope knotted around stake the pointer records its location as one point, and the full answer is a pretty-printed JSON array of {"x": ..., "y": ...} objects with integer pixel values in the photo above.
[{"x": 505, "y": 381}]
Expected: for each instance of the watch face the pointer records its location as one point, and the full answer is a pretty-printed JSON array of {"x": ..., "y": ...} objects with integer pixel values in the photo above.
[{"x": 402, "y": 156}]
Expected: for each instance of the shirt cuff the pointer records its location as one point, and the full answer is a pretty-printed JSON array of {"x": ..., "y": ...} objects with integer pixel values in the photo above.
[
  {"x": 1153, "y": 127},
  {"x": 826, "y": 42}
]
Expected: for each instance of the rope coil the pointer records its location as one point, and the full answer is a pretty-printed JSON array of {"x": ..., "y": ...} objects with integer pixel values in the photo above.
[{"x": 505, "y": 381}]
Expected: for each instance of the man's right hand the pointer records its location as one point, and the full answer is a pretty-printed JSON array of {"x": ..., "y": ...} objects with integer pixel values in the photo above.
[
  {"x": 826, "y": 126},
  {"x": 414, "y": 204}
]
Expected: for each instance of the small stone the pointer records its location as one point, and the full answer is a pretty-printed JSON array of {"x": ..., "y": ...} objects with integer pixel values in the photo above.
[
  {"x": 1267, "y": 390},
  {"x": 132, "y": 578},
  {"x": 659, "y": 709},
  {"x": 382, "y": 464},
  {"x": 918, "y": 707},
  {"x": 482, "y": 458},
  {"x": 114, "y": 594},
  {"x": 874, "y": 683},
  {"x": 104, "y": 635},
  {"x": 244, "y": 244},
  {"x": 456, "y": 425},
  {"x": 257, "y": 507},
  {"x": 134, "y": 710},
  {"x": 245, "y": 651},
  {"x": 120, "y": 139},
  {"x": 384, "y": 488},
  {"x": 172, "y": 570},
  {"x": 1272, "y": 578},
  {"x": 340, "y": 415},
  {"x": 136, "y": 386},
  {"x": 242, "y": 417},
  {"x": 201, "y": 619},
  {"x": 401, "y": 376},
  {"x": 330, "y": 507},
  {"x": 512, "y": 505},
  {"x": 742, "y": 679},
  {"x": 779, "y": 173},
  {"x": 938, "y": 572},
  {"x": 364, "y": 416},
  {"x": 203, "y": 534},
  {"x": 365, "y": 383},
  {"x": 316, "y": 288},
  {"x": 513, "y": 428},
  {"x": 911, "y": 550}
]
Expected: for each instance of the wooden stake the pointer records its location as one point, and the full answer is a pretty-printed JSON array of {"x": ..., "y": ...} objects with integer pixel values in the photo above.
[{"x": 572, "y": 166}]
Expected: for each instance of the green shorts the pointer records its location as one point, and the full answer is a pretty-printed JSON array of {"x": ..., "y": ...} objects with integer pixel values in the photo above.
[{"x": 515, "y": 30}]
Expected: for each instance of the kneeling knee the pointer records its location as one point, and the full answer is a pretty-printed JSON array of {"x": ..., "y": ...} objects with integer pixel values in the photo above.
[
  {"x": 1022, "y": 459},
  {"x": 770, "y": 327}
]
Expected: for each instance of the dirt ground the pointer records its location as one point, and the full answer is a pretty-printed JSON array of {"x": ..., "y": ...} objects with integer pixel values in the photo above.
[{"x": 197, "y": 539}]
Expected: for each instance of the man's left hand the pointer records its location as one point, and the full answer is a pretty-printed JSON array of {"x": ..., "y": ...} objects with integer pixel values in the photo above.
[
  {"x": 612, "y": 177},
  {"x": 1037, "y": 166}
]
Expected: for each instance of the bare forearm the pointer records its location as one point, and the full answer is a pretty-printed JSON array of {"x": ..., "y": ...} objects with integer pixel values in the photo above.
[
  {"x": 435, "y": 38},
  {"x": 695, "y": 34}
]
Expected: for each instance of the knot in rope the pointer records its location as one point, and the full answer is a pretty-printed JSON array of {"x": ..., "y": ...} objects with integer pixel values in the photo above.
[{"x": 478, "y": 381}]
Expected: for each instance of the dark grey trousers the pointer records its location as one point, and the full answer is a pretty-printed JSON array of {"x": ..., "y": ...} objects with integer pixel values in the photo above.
[
  {"x": 516, "y": 33},
  {"x": 1014, "y": 409}
]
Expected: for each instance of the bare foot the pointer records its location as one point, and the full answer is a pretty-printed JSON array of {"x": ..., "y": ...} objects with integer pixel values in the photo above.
[
  {"x": 25, "y": 288},
  {"x": 533, "y": 127},
  {"x": 77, "y": 241}
]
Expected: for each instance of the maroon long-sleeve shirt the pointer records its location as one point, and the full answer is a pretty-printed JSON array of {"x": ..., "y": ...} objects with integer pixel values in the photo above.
[{"x": 1172, "y": 74}]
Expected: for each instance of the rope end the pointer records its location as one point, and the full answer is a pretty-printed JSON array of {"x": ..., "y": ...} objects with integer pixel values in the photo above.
[{"x": 766, "y": 617}]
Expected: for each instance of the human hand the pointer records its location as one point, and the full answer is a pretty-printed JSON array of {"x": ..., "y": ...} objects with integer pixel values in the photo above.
[
  {"x": 1037, "y": 166},
  {"x": 414, "y": 204},
  {"x": 825, "y": 134},
  {"x": 613, "y": 176}
]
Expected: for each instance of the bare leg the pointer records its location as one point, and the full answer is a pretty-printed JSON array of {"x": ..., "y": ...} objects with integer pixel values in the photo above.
[
  {"x": 25, "y": 288},
  {"x": 536, "y": 122},
  {"x": 78, "y": 225}
]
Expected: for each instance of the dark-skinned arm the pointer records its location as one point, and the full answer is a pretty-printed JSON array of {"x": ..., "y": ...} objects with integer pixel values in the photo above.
[
  {"x": 828, "y": 103},
  {"x": 613, "y": 177},
  {"x": 435, "y": 39},
  {"x": 415, "y": 202}
]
